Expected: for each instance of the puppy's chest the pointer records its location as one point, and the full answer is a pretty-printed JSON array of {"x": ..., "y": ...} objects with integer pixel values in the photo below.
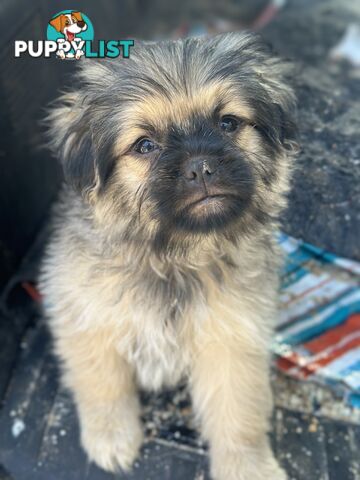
[
  {"x": 162, "y": 312},
  {"x": 159, "y": 355}
]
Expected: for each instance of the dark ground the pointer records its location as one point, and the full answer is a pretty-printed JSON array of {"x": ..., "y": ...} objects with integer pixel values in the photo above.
[
  {"x": 325, "y": 203},
  {"x": 310, "y": 448},
  {"x": 324, "y": 210}
]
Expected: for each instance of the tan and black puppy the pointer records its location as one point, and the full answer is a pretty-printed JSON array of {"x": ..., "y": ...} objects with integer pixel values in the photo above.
[{"x": 163, "y": 263}]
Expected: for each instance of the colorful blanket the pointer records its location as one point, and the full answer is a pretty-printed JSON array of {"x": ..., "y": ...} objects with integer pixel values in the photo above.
[{"x": 318, "y": 330}]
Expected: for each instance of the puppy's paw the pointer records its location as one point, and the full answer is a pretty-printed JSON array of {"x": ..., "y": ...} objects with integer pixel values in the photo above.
[
  {"x": 79, "y": 54},
  {"x": 61, "y": 54},
  {"x": 115, "y": 444},
  {"x": 244, "y": 466}
]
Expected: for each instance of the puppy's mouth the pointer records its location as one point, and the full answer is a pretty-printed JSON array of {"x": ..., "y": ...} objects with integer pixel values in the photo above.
[
  {"x": 70, "y": 36},
  {"x": 209, "y": 197},
  {"x": 207, "y": 202},
  {"x": 207, "y": 212}
]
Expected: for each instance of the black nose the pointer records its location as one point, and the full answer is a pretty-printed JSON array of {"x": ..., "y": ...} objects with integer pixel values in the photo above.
[
  {"x": 81, "y": 23},
  {"x": 200, "y": 169}
]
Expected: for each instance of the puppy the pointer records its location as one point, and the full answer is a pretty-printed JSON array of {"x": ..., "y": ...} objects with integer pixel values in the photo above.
[
  {"x": 69, "y": 25},
  {"x": 163, "y": 263}
]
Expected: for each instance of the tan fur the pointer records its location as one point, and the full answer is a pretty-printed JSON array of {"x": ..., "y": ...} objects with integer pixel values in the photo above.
[
  {"x": 159, "y": 111},
  {"x": 221, "y": 346}
]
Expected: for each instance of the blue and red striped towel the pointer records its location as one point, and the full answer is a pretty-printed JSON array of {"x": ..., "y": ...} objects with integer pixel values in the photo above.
[{"x": 318, "y": 330}]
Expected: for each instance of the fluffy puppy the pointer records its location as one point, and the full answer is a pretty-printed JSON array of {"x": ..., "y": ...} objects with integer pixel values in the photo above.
[{"x": 163, "y": 264}]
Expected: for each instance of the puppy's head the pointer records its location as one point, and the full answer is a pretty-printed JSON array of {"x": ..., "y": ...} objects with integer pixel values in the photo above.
[
  {"x": 185, "y": 140},
  {"x": 69, "y": 24}
]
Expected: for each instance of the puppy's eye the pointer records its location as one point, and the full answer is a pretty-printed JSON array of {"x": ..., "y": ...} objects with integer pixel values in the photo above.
[
  {"x": 145, "y": 146},
  {"x": 229, "y": 123}
]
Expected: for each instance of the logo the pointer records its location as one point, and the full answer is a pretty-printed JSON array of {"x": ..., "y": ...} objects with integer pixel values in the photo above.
[
  {"x": 70, "y": 36},
  {"x": 70, "y": 30}
]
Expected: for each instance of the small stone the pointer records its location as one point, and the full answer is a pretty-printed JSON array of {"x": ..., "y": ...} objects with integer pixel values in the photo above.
[
  {"x": 313, "y": 426},
  {"x": 18, "y": 427}
]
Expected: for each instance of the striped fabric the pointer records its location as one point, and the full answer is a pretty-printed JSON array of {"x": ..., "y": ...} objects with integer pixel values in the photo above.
[{"x": 318, "y": 330}]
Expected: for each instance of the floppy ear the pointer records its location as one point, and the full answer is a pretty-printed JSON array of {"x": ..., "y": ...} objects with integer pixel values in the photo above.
[
  {"x": 81, "y": 142},
  {"x": 264, "y": 78},
  {"x": 274, "y": 75},
  {"x": 281, "y": 100},
  {"x": 77, "y": 15},
  {"x": 57, "y": 22}
]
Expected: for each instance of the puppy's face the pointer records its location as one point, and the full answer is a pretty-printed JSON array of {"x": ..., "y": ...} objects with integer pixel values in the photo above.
[
  {"x": 69, "y": 24},
  {"x": 188, "y": 155},
  {"x": 184, "y": 139}
]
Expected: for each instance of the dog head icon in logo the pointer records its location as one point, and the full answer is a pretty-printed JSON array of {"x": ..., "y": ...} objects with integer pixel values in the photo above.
[{"x": 67, "y": 28}]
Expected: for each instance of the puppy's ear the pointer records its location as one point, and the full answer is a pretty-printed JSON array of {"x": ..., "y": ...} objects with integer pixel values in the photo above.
[
  {"x": 57, "y": 23},
  {"x": 77, "y": 15},
  {"x": 274, "y": 75},
  {"x": 70, "y": 140},
  {"x": 81, "y": 137},
  {"x": 265, "y": 78}
]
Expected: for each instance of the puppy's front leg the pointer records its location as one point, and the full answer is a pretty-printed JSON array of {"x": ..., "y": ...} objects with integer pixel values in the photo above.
[
  {"x": 232, "y": 397},
  {"x": 105, "y": 396}
]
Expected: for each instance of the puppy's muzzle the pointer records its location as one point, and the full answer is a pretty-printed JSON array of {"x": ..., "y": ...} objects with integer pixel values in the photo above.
[{"x": 80, "y": 23}]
